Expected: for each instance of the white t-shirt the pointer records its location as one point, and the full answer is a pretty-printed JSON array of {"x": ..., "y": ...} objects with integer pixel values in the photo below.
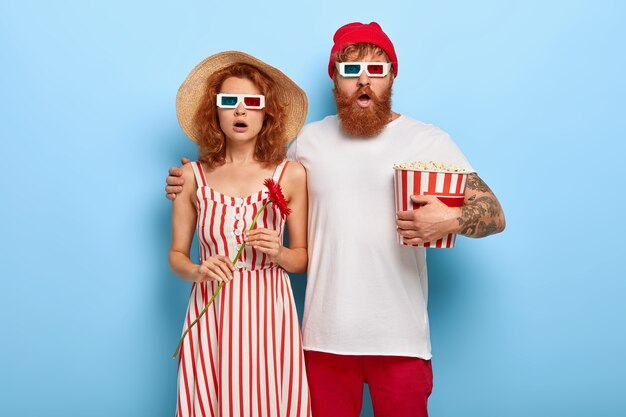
[{"x": 366, "y": 294}]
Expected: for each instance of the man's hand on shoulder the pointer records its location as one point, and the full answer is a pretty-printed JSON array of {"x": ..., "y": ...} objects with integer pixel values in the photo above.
[{"x": 175, "y": 180}]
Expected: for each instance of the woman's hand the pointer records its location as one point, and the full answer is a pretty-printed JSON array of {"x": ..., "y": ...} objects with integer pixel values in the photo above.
[
  {"x": 216, "y": 268},
  {"x": 267, "y": 241}
]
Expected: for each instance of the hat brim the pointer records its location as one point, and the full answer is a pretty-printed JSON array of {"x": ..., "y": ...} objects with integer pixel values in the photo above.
[{"x": 192, "y": 90}]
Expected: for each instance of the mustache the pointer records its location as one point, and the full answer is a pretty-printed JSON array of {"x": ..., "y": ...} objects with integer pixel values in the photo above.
[{"x": 364, "y": 90}]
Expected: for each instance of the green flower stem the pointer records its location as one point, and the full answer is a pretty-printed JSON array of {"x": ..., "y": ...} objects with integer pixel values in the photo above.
[{"x": 219, "y": 287}]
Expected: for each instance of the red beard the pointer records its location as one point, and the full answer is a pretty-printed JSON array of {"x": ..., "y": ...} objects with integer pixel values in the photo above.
[{"x": 363, "y": 122}]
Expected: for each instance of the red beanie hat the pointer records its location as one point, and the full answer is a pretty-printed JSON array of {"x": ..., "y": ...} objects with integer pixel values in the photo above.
[{"x": 359, "y": 32}]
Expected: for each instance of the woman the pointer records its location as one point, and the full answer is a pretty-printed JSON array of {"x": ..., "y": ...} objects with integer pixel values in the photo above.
[{"x": 244, "y": 356}]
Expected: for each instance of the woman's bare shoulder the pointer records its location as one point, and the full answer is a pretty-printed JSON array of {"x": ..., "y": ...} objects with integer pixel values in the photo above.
[
  {"x": 294, "y": 178},
  {"x": 296, "y": 171},
  {"x": 190, "y": 184}
]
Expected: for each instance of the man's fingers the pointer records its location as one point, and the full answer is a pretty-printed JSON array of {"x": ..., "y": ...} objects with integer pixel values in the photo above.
[
  {"x": 407, "y": 233},
  {"x": 405, "y": 215},
  {"x": 174, "y": 181},
  {"x": 176, "y": 171},
  {"x": 184, "y": 161},
  {"x": 413, "y": 241},
  {"x": 423, "y": 199},
  {"x": 405, "y": 224},
  {"x": 173, "y": 189}
]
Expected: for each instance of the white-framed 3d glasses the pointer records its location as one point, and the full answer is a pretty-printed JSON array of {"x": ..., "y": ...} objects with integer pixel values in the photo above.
[
  {"x": 354, "y": 69},
  {"x": 231, "y": 101}
]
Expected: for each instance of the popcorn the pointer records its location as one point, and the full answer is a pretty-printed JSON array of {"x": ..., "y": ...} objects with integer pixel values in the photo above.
[{"x": 429, "y": 166}]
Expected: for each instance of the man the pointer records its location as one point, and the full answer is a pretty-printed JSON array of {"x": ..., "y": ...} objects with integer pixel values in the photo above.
[{"x": 365, "y": 317}]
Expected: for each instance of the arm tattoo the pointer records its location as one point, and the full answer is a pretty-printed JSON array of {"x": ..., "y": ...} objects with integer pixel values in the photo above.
[
  {"x": 475, "y": 183},
  {"x": 480, "y": 217}
]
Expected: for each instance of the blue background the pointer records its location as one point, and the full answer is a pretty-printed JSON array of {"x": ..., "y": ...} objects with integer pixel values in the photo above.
[{"x": 526, "y": 323}]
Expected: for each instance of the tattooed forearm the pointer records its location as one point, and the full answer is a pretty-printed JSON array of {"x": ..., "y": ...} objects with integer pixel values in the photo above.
[
  {"x": 482, "y": 215},
  {"x": 474, "y": 183},
  {"x": 479, "y": 218}
]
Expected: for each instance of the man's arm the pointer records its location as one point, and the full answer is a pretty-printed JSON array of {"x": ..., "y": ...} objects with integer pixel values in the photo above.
[{"x": 481, "y": 215}]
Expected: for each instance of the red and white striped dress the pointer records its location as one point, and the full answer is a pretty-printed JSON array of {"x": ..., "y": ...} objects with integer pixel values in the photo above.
[{"x": 244, "y": 356}]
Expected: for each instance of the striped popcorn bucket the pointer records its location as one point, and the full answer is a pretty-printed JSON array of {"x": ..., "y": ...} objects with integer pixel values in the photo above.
[{"x": 449, "y": 187}]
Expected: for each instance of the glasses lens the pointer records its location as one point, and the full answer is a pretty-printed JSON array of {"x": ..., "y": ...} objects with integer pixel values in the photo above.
[
  {"x": 252, "y": 101},
  {"x": 352, "y": 69},
  {"x": 229, "y": 101},
  {"x": 375, "y": 69}
]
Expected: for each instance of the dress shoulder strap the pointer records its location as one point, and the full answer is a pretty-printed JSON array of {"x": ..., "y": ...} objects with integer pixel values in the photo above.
[
  {"x": 198, "y": 172},
  {"x": 279, "y": 171}
]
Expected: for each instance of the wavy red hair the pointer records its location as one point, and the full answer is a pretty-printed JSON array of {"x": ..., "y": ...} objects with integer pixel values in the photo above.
[
  {"x": 357, "y": 51},
  {"x": 270, "y": 146}
]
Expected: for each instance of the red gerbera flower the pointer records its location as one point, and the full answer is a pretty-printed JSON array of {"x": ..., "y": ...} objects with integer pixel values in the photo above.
[{"x": 276, "y": 196}]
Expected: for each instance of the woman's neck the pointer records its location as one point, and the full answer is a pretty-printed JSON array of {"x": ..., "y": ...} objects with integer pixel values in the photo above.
[{"x": 239, "y": 153}]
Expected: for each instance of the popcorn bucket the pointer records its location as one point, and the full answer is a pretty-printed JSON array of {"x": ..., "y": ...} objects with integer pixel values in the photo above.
[{"x": 448, "y": 187}]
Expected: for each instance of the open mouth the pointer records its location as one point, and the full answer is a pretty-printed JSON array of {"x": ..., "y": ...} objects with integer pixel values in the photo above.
[
  {"x": 363, "y": 100},
  {"x": 240, "y": 126}
]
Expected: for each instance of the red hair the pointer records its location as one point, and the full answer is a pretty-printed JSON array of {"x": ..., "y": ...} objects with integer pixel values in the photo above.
[
  {"x": 357, "y": 51},
  {"x": 270, "y": 146}
]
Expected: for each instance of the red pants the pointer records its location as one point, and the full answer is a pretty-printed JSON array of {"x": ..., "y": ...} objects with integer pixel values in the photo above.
[{"x": 399, "y": 385}]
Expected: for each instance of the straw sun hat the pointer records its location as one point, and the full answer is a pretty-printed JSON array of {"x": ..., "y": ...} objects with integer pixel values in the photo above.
[{"x": 192, "y": 90}]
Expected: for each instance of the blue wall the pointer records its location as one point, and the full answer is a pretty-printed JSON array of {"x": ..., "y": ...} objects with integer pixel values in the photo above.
[{"x": 526, "y": 323}]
